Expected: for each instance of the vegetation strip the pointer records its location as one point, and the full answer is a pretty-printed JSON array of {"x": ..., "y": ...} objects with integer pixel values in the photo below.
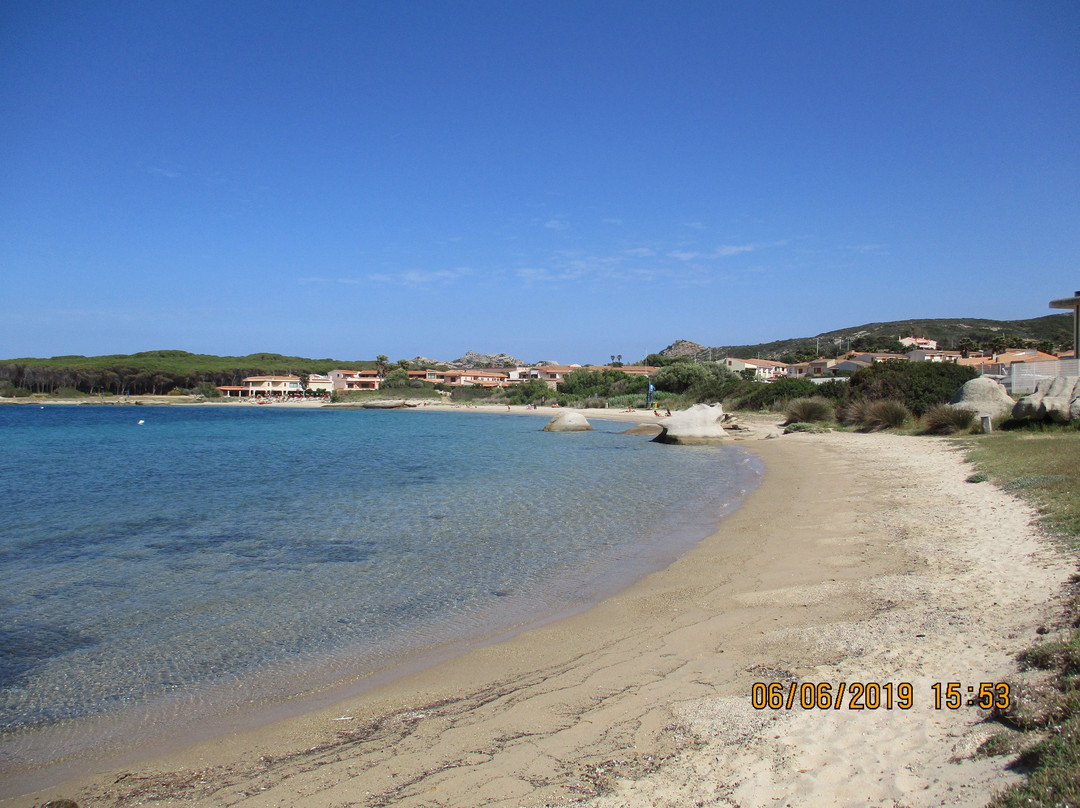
[{"x": 1040, "y": 464}]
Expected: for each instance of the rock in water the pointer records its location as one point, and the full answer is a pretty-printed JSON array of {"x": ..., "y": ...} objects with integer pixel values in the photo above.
[
  {"x": 983, "y": 396},
  {"x": 644, "y": 429},
  {"x": 568, "y": 422},
  {"x": 699, "y": 424}
]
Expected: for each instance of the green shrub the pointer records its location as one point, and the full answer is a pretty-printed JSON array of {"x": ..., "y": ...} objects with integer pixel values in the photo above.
[
  {"x": 773, "y": 395},
  {"x": 585, "y": 383},
  {"x": 1000, "y": 743},
  {"x": 528, "y": 392},
  {"x": 633, "y": 401},
  {"x": 679, "y": 377},
  {"x": 918, "y": 385},
  {"x": 943, "y": 419},
  {"x": 808, "y": 410},
  {"x": 398, "y": 377}
]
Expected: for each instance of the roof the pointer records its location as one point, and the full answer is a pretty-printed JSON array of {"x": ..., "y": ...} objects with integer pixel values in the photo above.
[
  {"x": 1008, "y": 357},
  {"x": 761, "y": 363}
]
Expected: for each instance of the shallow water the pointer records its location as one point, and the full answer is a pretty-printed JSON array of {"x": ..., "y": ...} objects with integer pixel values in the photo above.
[{"x": 242, "y": 550}]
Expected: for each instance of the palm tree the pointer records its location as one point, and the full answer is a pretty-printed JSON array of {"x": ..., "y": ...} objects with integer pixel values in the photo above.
[{"x": 380, "y": 365}]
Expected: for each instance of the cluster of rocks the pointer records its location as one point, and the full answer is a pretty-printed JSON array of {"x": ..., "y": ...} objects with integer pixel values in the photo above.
[
  {"x": 682, "y": 347},
  {"x": 702, "y": 423},
  {"x": 1056, "y": 399},
  {"x": 471, "y": 359}
]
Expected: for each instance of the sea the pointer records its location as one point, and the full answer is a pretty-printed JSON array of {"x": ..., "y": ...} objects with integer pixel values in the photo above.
[{"x": 163, "y": 565}]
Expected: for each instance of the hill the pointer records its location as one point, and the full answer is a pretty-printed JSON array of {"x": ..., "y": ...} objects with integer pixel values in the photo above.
[{"x": 950, "y": 334}]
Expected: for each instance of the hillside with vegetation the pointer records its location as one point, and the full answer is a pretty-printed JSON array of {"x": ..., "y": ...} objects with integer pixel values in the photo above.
[
  {"x": 161, "y": 372},
  {"x": 153, "y": 372},
  {"x": 1049, "y": 333}
]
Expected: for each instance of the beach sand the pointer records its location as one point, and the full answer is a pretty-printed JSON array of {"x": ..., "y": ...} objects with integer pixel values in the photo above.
[{"x": 860, "y": 558}]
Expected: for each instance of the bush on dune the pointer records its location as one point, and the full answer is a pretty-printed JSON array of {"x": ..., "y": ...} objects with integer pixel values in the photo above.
[
  {"x": 942, "y": 419},
  {"x": 809, "y": 410},
  {"x": 884, "y": 414},
  {"x": 918, "y": 385}
]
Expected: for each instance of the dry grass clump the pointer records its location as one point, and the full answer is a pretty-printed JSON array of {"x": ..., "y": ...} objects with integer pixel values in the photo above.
[
  {"x": 943, "y": 419},
  {"x": 876, "y": 415},
  {"x": 886, "y": 414},
  {"x": 809, "y": 410}
]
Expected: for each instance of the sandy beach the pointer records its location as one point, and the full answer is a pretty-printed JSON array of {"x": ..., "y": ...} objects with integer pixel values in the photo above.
[{"x": 860, "y": 558}]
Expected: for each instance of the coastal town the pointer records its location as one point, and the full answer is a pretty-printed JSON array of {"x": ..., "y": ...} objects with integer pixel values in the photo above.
[{"x": 1018, "y": 370}]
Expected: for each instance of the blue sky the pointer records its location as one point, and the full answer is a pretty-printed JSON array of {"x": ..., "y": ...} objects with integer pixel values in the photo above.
[{"x": 557, "y": 180}]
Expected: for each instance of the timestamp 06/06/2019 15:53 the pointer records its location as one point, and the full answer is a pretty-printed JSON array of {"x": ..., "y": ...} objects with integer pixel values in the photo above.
[{"x": 875, "y": 695}]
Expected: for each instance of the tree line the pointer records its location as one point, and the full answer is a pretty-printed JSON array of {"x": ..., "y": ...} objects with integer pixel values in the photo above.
[{"x": 121, "y": 379}]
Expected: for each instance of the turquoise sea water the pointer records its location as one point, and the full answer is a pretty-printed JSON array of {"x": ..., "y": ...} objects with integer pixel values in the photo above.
[{"x": 214, "y": 556}]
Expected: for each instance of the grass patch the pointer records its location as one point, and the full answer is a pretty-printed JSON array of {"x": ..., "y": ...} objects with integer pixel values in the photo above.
[
  {"x": 801, "y": 426},
  {"x": 1000, "y": 743},
  {"x": 1055, "y": 772},
  {"x": 1041, "y": 466}
]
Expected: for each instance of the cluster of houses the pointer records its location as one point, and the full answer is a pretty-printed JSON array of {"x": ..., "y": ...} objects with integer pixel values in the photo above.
[
  {"x": 349, "y": 380},
  {"x": 1000, "y": 365},
  {"x": 1012, "y": 368},
  {"x": 1018, "y": 370}
]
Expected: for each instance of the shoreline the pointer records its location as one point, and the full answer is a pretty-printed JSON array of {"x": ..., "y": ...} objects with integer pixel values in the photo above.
[
  {"x": 59, "y": 752},
  {"x": 857, "y": 558}
]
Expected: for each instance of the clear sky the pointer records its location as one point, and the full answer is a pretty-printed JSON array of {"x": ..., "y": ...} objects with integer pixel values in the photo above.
[{"x": 559, "y": 179}]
